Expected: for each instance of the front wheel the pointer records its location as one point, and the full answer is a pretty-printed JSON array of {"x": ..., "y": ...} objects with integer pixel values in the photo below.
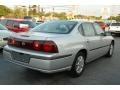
[
  {"x": 78, "y": 65},
  {"x": 111, "y": 49}
]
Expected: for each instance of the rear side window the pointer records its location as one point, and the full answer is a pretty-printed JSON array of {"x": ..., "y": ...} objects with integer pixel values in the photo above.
[
  {"x": 59, "y": 27},
  {"x": 88, "y": 29},
  {"x": 115, "y": 24},
  {"x": 16, "y": 24},
  {"x": 9, "y": 23},
  {"x": 98, "y": 29}
]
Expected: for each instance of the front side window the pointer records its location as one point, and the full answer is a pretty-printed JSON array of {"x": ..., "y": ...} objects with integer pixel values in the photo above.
[
  {"x": 88, "y": 29},
  {"x": 98, "y": 29},
  {"x": 58, "y": 27}
]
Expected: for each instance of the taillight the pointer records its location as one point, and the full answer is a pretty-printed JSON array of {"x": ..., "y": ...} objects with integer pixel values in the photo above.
[
  {"x": 11, "y": 41},
  {"x": 42, "y": 46},
  {"x": 24, "y": 29},
  {"x": 50, "y": 47},
  {"x": 45, "y": 46},
  {"x": 37, "y": 45}
]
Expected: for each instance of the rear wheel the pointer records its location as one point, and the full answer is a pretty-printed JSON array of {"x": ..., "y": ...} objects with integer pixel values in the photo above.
[
  {"x": 78, "y": 65},
  {"x": 111, "y": 49},
  {"x": 1, "y": 49}
]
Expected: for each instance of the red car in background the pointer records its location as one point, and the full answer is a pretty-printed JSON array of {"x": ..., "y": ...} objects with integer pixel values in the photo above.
[
  {"x": 18, "y": 25},
  {"x": 103, "y": 25}
]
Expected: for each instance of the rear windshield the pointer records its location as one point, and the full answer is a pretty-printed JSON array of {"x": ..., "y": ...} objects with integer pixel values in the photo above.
[
  {"x": 2, "y": 27},
  {"x": 29, "y": 23},
  {"x": 59, "y": 27},
  {"x": 115, "y": 24}
]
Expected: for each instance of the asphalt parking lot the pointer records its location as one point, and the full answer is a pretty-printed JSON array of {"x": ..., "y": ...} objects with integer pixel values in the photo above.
[{"x": 102, "y": 71}]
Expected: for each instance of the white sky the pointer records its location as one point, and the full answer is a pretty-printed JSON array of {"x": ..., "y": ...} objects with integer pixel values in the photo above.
[
  {"x": 60, "y": 2},
  {"x": 89, "y": 7}
]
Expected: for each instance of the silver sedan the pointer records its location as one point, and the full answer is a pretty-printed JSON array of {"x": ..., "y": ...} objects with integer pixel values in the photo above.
[{"x": 59, "y": 45}]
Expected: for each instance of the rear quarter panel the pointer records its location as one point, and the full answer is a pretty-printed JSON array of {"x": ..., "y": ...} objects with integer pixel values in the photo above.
[{"x": 69, "y": 44}]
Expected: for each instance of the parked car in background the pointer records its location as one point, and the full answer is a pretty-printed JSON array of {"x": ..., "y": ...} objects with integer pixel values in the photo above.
[
  {"x": 103, "y": 25},
  {"x": 59, "y": 45},
  {"x": 4, "y": 34},
  {"x": 115, "y": 28},
  {"x": 18, "y": 25}
]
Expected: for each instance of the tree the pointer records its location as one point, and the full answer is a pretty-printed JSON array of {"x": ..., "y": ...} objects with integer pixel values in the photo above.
[
  {"x": 19, "y": 12},
  {"x": 117, "y": 18},
  {"x": 61, "y": 15},
  {"x": 112, "y": 18},
  {"x": 48, "y": 14},
  {"x": 24, "y": 12},
  {"x": 4, "y": 11}
]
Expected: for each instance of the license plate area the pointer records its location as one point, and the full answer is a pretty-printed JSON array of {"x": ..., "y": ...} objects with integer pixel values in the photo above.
[{"x": 21, "y": 57}]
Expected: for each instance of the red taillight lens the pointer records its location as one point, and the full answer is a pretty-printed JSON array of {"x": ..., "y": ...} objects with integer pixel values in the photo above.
[
  {"x": 42, "y": 46},
  {"x": 37, "y": 45},
  {"x": 11, "y": 41},
  {"x": 50, "y": 47},
  {"x": 24, "y": 29}
]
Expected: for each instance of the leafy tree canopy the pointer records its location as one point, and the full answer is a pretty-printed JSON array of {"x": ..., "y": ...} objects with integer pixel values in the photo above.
[{"x": 4, "y": 10}]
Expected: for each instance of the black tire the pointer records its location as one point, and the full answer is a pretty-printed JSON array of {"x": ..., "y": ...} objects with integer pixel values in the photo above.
[
  {"x": 1, "y": 50},
  {"x": 110, "y": 52},
  {"x": 116, "y": 34},
  {"x": 74, "y": 71}
]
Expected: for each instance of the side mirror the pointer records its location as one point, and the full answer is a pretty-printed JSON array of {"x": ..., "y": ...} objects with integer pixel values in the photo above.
[
  {"x": 103, "y": 34},
  {"x": 108, "y": 33}
]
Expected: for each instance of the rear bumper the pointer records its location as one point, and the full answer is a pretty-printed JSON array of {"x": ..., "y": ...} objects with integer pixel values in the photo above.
[{"x": 48, "y": 64}]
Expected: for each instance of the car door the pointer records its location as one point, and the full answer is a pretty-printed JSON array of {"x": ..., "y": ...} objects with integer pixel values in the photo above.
[
  {"x": 104, "y": 39},
  {"x": 93, "y": 42}
]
